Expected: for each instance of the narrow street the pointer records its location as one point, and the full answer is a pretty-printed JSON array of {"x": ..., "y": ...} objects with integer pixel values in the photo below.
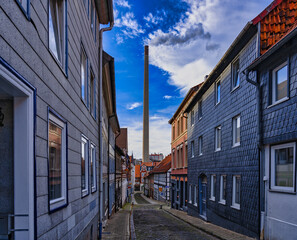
[{"x": 151, "y": 222}]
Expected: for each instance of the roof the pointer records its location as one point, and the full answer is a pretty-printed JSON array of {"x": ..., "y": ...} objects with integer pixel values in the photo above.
[
  {"x": 163, "y": 166},
  {"x": 122, "y": 140},
  {"x": 275, "y": 22},
  {"x": 184, "y": 102},
  {"x": 137, "y": 171},
  {"x": 105, "y": 9}
]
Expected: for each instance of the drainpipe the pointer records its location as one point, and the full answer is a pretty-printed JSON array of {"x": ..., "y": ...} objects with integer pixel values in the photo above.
[
  {"x": 115, "y": 171},
  {"x": 100, "y": 126},
  {"x": 108, "y": 215},
  {"x": 260, "y": 147}
]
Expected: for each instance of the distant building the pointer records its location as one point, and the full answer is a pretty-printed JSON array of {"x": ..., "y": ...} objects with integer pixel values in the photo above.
[
  {"x": 179, "y": 149},
  {"x": 156, "y": 157}
]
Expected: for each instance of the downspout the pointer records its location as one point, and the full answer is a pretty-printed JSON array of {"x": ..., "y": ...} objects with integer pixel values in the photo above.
[
  {"x": 260, "y": 147},
  {"x": 115, "y": 172},
  {"x": 100, "y": 126},
  {"x": 108, "y": 215}
]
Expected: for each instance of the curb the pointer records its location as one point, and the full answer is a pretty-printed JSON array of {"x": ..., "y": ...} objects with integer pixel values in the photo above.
[{"x": 131, "y": 221}]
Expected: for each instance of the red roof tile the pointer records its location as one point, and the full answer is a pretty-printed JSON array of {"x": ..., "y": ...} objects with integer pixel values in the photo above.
[{"x": 163, "y": 166}]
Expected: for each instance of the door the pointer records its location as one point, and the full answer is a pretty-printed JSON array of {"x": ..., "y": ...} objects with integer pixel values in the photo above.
[{"x": 202, "y": 195}]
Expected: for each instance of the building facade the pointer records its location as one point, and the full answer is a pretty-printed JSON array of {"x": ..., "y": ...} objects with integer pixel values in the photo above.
[
  {"x": 277, "y": 86},
  {"x": 49, "y": 98},
  {"x": 179, "y": 146}
]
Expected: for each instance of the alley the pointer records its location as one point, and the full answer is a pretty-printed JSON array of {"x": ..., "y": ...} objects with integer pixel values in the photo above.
[{"x": 151, "y": 222}]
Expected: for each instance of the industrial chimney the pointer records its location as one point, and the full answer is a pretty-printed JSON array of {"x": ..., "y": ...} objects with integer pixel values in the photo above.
[{"x": 145, "y": 137}]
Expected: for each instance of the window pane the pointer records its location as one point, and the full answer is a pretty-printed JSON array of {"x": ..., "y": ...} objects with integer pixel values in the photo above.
[
  {"x": 83, "y": 68},
  {"x": 281, "y": 83},
  {"x": 92, "y": 93},
  {"x": 236, "y": 74},
  {"x": 218, "y": 92},
  {"x": 55, "y": 161},
  {"x": 284, "y": 167},
  {"x": 83, "y": 165},
  {"x": 24, "y": 4},
  {"x": 237, "y": 190},
  {"x": 224, "y": 188},
  {"x": 56, "y": 29}
]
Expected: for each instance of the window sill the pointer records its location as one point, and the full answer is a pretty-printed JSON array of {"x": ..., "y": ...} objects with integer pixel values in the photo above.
[
  {"x": 237, "y": 207},
  {"x": 236, "y": 145},
  {"x": 218, "y": 150},
  {"x": 217, "y": 103},
  {"x": 200, "y": 154},
  {"x": 84, "y": 193},
  {"x": 235, "y": 88},
  {"x": 285, "y": 191},
  {"x": 94, "y": 189},
  {"x": 199, "y": 118},
  {"x": 278, "y": 102},
  {"x": 58, "y": 63},
  {"x": 223, "y": 202},
  {"x": 212, "y": 199}
]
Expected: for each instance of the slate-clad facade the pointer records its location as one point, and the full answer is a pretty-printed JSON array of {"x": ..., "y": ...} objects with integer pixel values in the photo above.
[{"x": 49, "y": 96}]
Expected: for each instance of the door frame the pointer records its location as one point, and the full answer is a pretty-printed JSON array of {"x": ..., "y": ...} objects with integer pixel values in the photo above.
[
  {"x": 24, "y": 110},
  {"x": 200, "y": 194}
]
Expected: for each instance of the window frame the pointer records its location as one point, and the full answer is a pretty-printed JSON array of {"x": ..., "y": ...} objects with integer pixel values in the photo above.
[
  {"x": 59, "y": 203},
  {"x": 86, "y": 98},
  {"x": 25, "y": 11},
  {"x": 86, "y": 4},
  {"x": 232, "y": 74},
  {"x": 213, "y": 182},
  {"x": 200, "y": 110},
  {"x": 218, "y": 129},
  {"x": 200, "y": 145},
  {"x": 195, "y": 196},
  {"x": 222, "y": 189},
  {"x": 234, "y": 204},
  {"x": 93, "y": 155},
  {"x": 190, "y": 193},
  {"x": 273, "y": 95},
  {"x": 234, "y": 127},
  {"x": 217, "y": 101},
  {"x": 273, "y": 187},
  {"x": 64, "y": 64},
  {"x": 192, "y": 149},
  {"x": 192, "y": 118},
  {"x": 85, "y": 191},
  {"x": 93, "y": 111}
]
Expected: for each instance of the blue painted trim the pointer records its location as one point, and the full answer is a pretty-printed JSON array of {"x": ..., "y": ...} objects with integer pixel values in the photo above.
[
  {"x": 95, "y": 21},
  {"x": 26, "y": 12},
  {"x": 88, "y": 160},
  {"x": 29, "y": 85},
  {"x": 88, "y": 104},
  {"x": 66, "y": 39},
  {"x": 53, "y": 112}
]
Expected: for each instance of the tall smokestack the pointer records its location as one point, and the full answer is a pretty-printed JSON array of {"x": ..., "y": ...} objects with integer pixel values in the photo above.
[{"x": 145, "y": 137}]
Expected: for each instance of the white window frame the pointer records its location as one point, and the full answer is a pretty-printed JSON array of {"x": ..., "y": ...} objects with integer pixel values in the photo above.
[
  {"x": 84, "y": 82},
  {"x": 61, "y": 201},
  {"x": 200, "y": 145},
  {"x": 218, "y": 133},
  {"x": 190, "y": 193},
  {"x": 192, "y": 117},
  {"x": 212, "y": 187},
  {"x": 222, "y": 189},
  {"x": 192, "y": 149},
  {"x": 234, "y": 204},
  {"x": 195, "y": 195},
  {"x": 272, "y": 173},
  {"x": 274, "y": 87},
  {"x": 216, "y": 91},
  {"x": 93, "y": 167},
  {"x": 236, "y": 62},
  {"x": 84, "y": 140},
  {"x": 234, "y": 127},
  {"x": 60, "y": 39}
]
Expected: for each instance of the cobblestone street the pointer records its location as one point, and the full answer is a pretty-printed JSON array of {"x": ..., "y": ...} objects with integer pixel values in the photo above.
[{"x": 151, "y": 222}]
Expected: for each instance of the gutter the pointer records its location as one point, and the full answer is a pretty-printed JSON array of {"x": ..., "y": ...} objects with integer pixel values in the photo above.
[{"x": 100, "y": 122}]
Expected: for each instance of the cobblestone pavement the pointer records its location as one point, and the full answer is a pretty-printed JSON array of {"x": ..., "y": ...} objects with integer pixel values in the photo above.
[{"x": 150, "y": 222}]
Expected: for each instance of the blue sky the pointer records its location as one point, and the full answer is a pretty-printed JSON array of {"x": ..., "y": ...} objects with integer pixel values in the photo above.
[{"x": 186, "y": 39}]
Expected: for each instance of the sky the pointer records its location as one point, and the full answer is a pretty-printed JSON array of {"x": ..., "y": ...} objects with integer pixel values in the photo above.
[{"x": 186, "y": 39}]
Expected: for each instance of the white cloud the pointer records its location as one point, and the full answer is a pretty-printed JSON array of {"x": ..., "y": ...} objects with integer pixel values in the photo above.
[
  {"x": 123, "y": 3},
  {"x": 192, "y": 47},
  {"x": 167, "y": 97},
  {"x": 150, "y": 18},
  {"x": 134, "y": 105},
  {"x": 159, "y": 134}
]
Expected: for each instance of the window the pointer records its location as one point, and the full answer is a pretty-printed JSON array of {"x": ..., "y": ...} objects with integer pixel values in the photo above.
[
  {"x": 195, "y": 196},
  {"x": 93, "y": 20},
  {"x": 25, "y": 4},
  {"x": 223, "y": 185},
  {"x": 190, "y": 193},
  {"x": 93, "y": 168},
  {"x": 173, "y": 132},
  {"x": 173, "y": 159},
  {"x": 235, "y": 74},
  {"x": 57, "y": 161},
  {"x": 213, "y": 180},
  {"x": 186, "y": 155},
  {"x": 181, "y": 125},
  {"x": 283, "y": 167},
  {"x": 92, "y": 94},
  {"x": 192, "y": 117},
  {"x": 236, "y": 192},
  {"x": 218, "y": 134},
  {"x": 280, "y": 83},
  {"x": 236, "y": 131},
  {"x": 84, "y": 166},
  {"x": 57, "y": 30},
  {"x": 200, "y": 145},
  {"x": 178, "y": 128},
  {"x": 84, "y": 76},
  {"x": 200, "y": 110},
  {"x": 192, "y": 149},
  {"x": 218, "y": 92}
]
